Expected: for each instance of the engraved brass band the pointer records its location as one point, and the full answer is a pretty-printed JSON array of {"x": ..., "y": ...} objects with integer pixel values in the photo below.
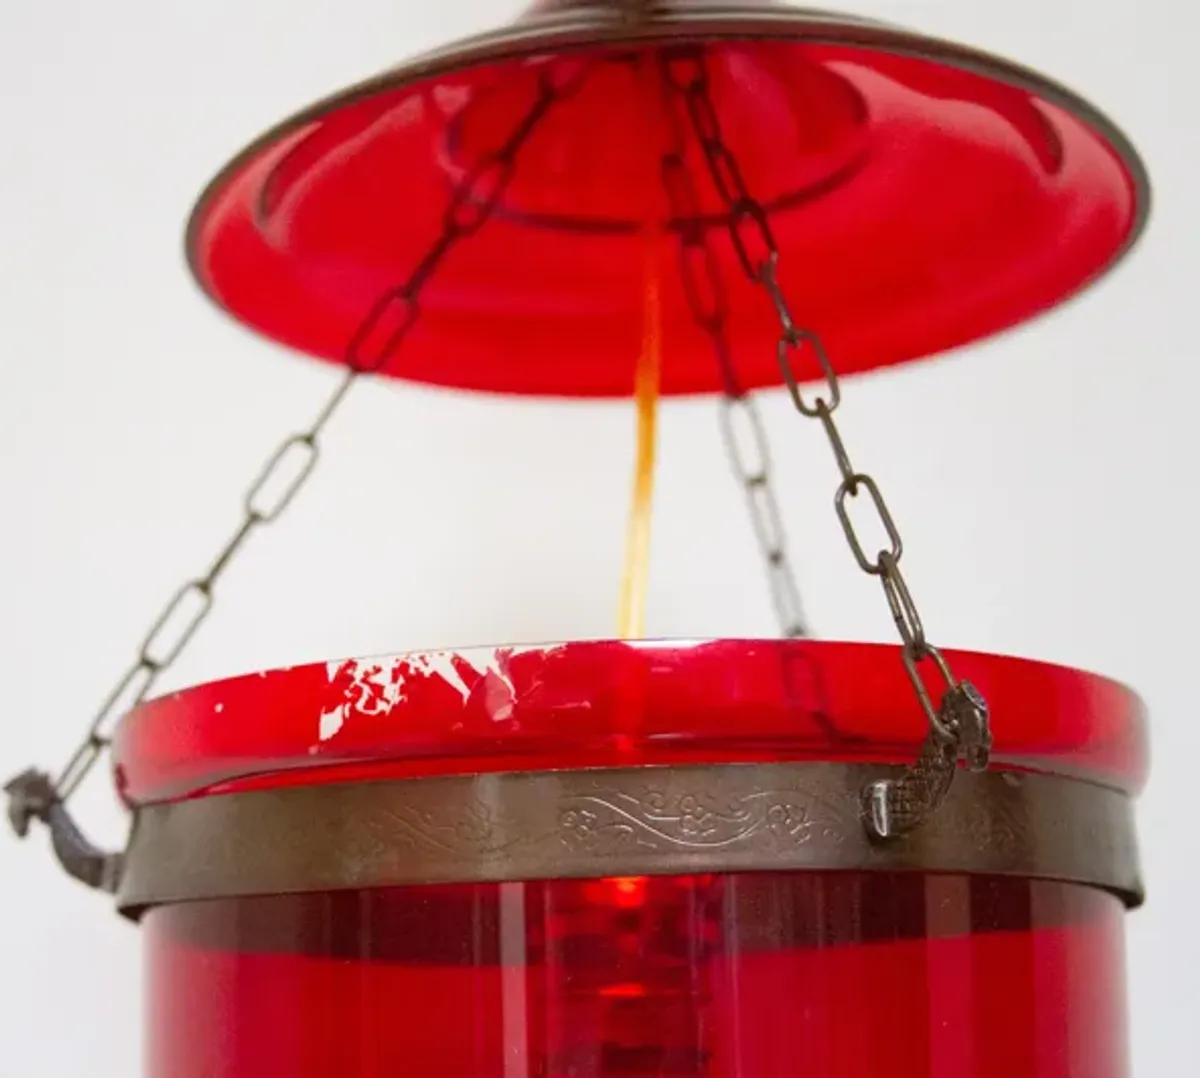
[{"x": 619, "y": 822}]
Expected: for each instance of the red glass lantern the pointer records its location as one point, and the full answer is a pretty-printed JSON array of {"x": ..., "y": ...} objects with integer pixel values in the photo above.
[{"x": 730, "y": 858}]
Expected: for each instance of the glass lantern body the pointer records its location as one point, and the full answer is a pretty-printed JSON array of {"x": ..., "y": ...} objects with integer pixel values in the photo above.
[
  {"x": 911, "y": 196},
  {"x": 808, "y": 974},
  {"x": 804, "y": 975}
]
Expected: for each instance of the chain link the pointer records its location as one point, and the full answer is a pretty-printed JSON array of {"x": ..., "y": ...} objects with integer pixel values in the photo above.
[
  {"x": 742, "y": 428},
  {"x": 959, "y": 721},
  {"x": 291, "y": 465}
]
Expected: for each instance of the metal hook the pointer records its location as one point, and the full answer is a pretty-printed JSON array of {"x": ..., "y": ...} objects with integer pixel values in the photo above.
[
  {"x": 894, "y": 807},
  {"x": 32, "y": 796}
]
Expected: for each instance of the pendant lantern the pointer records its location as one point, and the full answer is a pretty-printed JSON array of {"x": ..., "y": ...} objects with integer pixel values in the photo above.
[{"x": 619, "y": 858}]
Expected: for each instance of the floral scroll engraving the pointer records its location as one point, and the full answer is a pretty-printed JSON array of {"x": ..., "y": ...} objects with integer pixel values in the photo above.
[
  {"x": 624, "y": 821},
  {"x": 606, "y": 821},
  {"x": 471, "y": 829},
  {"x": 544, "y": 816}
]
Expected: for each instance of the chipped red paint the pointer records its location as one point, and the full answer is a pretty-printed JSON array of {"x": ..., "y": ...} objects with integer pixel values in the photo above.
[{"x": 605, "y": 703}]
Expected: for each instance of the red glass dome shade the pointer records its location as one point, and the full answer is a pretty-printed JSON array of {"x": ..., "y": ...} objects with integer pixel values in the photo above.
[{"x": 924, "y": 196}]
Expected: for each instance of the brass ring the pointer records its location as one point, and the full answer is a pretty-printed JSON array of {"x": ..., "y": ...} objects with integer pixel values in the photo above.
[{"x": 618, "y": 822}]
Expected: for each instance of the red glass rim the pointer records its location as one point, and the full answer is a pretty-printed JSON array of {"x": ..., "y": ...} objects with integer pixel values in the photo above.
[
  {"x": 923, "y": 196},
  {"x": 607, "y": 703}
]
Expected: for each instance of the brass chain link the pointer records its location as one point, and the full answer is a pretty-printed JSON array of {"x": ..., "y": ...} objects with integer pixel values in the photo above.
[
  {"x": 388, "y": 323},
  {"x": 742, "y": 428},
  {"x": 959, "y": 723}
]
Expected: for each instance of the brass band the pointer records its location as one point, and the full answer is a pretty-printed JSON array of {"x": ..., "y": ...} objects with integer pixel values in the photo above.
[{"x": 619, "y": 822}]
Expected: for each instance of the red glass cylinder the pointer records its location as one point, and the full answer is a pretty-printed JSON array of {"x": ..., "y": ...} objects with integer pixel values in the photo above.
[
  {"x": 805, "y": 974},
  {"x": 809, "y": 975}
]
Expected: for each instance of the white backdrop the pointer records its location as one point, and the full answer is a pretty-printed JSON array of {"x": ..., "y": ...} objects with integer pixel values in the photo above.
[{"x": 1045, "y": 483}]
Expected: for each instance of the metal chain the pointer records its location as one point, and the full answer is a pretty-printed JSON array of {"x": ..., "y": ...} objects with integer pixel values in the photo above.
[
  {"x": 958, "y": 723},
  {"x": 286, "y": 471},
  {"x": 742, "y": 428}
]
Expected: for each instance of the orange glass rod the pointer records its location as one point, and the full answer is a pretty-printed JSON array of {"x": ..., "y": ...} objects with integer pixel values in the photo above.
[{"x": 634, "y": 580}]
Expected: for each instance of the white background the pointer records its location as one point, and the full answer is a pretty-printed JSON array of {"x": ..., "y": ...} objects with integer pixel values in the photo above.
[{"x": 1045, "y": 483}]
